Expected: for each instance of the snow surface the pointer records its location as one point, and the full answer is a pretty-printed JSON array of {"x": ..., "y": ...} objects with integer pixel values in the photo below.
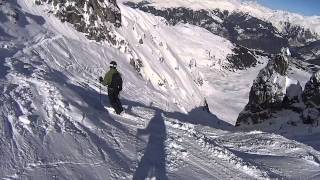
[{"x": 54, "y": 126}]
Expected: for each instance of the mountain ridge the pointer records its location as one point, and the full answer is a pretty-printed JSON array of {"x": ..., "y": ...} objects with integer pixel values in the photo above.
[{"x": 277, "y": 17}]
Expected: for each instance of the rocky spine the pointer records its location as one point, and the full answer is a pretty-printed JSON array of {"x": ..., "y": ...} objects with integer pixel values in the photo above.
[{"x": 92, "y": 17}]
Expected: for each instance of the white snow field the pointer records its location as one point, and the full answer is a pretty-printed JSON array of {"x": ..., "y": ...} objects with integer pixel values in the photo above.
[{"x": 55, "y": 125}]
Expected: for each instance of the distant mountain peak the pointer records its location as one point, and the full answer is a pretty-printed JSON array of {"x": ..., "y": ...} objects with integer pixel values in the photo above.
[{"x": 276, "y": 17}]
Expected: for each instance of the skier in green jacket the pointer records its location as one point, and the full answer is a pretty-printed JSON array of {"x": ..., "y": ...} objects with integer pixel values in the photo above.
[{"x": 113, "y": 81}]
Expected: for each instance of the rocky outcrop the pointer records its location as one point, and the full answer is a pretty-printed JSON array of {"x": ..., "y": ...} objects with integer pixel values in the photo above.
[
  {"x": 311, "y": 93},
  {"x": 272, "y": 91},
  {"x": 92, "y": 17},
  {"x": 311, "y": 98},
  {"x": 242, "y": 58},
  {"x": 267, "y": 92}
]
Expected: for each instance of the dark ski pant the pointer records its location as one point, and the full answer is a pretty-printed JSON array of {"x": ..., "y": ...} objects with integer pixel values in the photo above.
[{"x": 114, "y": 100}]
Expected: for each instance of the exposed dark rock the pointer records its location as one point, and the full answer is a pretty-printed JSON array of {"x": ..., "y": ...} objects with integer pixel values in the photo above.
[
  {"x": 161, "y": 59},
  {"x": 311, "y": 98},
  {"x": 267, "y": 92},
  {"x": 137, "y": 64},
  {"x": 280, "y": 65},
  {"x": 140, "y": 41},
  {"x": 315, "y": 62},
  {"x": 205, "y": 106},
  {"x": 311, "y": 93},
  {"x": 242, "y": 58},
  {"x": 199, "y": 81},
  {"x": 311, "y": 116},
  {"x": 91, "y": 17}
]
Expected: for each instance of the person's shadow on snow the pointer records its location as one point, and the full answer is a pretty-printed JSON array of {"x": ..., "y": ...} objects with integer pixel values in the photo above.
[{"x": 153, "y": 162}]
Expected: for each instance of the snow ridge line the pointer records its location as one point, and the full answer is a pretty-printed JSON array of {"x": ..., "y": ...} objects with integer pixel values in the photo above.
[
  {"x": 226, "y": 155},
  {"x": 208, "y": 145},
  {"x": 256, "y": 140}
]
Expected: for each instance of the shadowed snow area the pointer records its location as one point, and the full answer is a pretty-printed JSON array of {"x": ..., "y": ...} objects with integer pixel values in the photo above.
[{"x": 54, "y": 125}]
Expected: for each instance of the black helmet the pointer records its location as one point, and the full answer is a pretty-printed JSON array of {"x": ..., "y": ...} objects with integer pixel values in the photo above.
[{"x": 113, "y": 64}]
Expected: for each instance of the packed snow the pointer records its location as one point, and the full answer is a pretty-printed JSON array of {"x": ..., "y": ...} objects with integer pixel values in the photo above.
[{"x": 54, "y": 125}]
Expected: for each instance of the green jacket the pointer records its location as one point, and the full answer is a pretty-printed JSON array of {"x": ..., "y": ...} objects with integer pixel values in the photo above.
[{"x": 113, "y": 79}]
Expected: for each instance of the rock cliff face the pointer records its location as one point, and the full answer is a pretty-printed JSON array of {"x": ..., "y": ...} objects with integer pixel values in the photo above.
[
  {"x": 311, "y": 94},
  {"x": 272, "y": 91},
  {"x": 242, "y": 58},
  {"x": 92, "y": 17},
  {"x": 311, "y": 98},
  {"x": 267, "y": 92}
]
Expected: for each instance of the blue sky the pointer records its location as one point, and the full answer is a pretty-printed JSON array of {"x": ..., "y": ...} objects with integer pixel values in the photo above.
[{"x": 305, "y": 7}]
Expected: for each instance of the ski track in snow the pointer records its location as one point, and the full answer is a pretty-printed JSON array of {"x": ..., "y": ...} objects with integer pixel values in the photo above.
[{"x": 55, "y": 127}]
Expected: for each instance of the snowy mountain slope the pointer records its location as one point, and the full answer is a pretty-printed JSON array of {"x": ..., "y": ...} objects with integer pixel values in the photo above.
[
  {"x": 196, "y": 59},
  {"x": 276, "y": 17},
  {"x": 245, "y": 24},
  {"x": 203, "y": 58},
  {"x": 53, "y": 125},
  {"x": 238, "y": 26}
]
